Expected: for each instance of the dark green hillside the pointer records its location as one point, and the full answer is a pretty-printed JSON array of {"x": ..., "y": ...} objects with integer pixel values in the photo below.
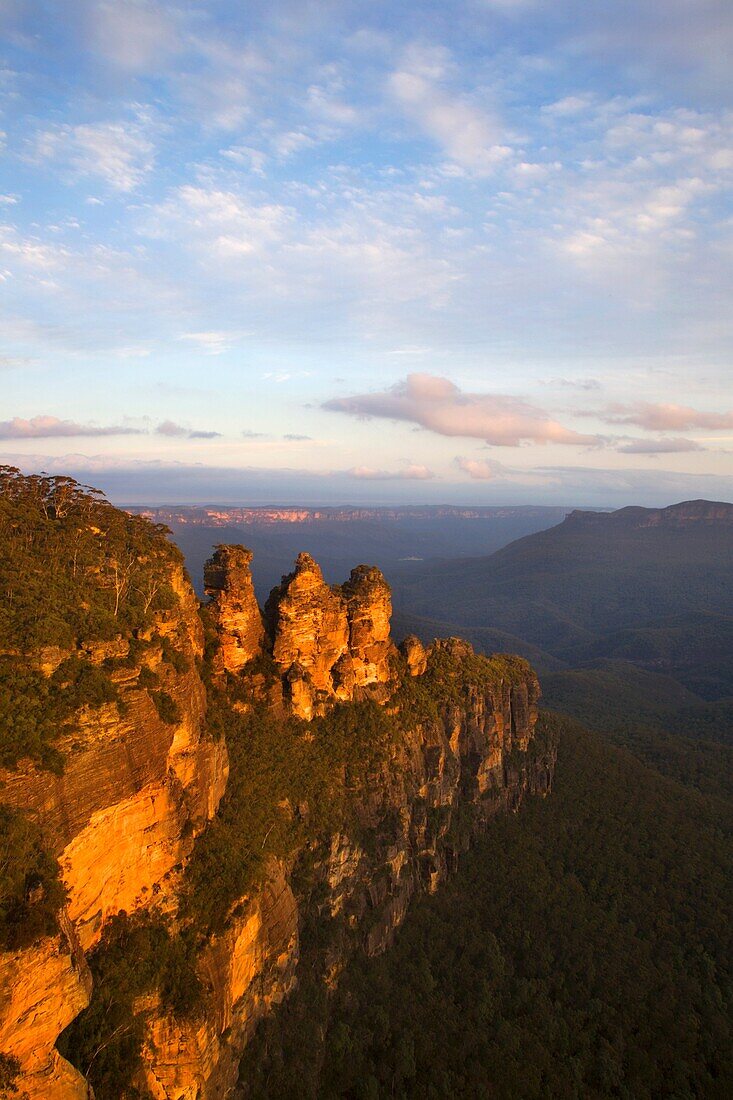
[
  {"x": 651, "y": 586},
  {"x": 483, "y": 639},
  {"x": 583, "y": 951},
  {"x": 654, "y": 717}
]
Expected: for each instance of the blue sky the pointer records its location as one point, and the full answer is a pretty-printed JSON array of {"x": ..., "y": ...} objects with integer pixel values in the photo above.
[{"x": 478, "y": 251}]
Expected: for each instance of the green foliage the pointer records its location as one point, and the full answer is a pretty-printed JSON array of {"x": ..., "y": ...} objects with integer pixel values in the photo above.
[
  {"x": 9, "y": 1072},
  {"x": 35, "y": 709},
  {"x": 137, "y": 955},
  {"x": 289, "y": 781},
  {"x": 147, "y": 678},
  {"x": 167, "y": 708},
  {"x": 653, "y": 716},
  {"x": 73, "y": 567},
  {"x": 583, "y": 951},
  {"x": 174, "y": 657},
  {"x": 31, "y": 892}
]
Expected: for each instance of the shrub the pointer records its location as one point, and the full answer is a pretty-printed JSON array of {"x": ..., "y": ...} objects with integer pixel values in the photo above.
[
  {"x": 167, "y": 708},
  {"x": 31, "y": 891}
]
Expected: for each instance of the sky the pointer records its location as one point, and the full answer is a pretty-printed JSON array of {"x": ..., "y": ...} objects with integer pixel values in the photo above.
[{"x": 322, "y": 252}]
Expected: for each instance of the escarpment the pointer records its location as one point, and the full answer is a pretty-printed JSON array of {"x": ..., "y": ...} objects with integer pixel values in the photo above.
[{"x": 231, "y": 803}]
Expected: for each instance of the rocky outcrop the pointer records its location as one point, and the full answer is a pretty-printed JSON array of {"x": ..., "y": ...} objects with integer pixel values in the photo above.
[
  {"x": 239, "y": 626},
  {"x": 350, "y": 890},
  {"x": 329, "y": 642},
  {"x": 247, "y": 971},
  {"x": 415, "y": 654},
  {"x": 42, "y": 989}
]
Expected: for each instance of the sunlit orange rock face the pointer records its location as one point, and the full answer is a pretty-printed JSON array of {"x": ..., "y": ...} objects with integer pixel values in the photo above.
[
  {"x": 330, "y": 641},
  {"x": 134, "y": 793},
  {"x": 228, "y": 583}
]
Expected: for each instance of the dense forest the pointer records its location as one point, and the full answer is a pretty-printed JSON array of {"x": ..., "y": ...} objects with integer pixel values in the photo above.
[{"x": 583, "y": 950}]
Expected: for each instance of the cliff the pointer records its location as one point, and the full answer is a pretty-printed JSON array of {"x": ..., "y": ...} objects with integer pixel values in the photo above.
[{"x": 223, "y": 802}]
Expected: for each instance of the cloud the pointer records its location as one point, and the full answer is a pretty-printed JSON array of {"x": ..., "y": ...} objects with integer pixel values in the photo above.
[
  {"x": 10, "y": 362},
  {"x": 297, "y": 438},
  {"x": 468, "y": 135},
  {"x": 663, "y": 418},
  {"x": 677, "y": 445},
  {"x": 133, "y": 34},
  {"x": 120, "y": 153},
  {"x": 479, "y": 469},
  {"x": 150, "y": 481},
  {"x": 178, "y": 431},
  {"x": 410, "y": 473},
  {"x": 437, "y": 404},
  {"x": 50, "y": 427},
  {"x": 214, "y": 343}
]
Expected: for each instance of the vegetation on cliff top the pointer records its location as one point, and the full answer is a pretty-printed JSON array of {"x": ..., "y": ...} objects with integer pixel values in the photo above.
[
  {"x": 72, "y": 566},
  {"x": 73, "y": 569}
]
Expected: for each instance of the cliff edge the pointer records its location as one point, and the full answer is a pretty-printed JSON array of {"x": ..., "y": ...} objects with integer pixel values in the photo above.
[{"x": 221, "y": 793}]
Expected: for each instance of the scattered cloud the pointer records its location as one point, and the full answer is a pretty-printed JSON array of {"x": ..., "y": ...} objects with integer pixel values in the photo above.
[
  {"x": 669, "y": 446},
  {"x": 214, "y": 343},
  {"x": 50, "y": 427},
  {"x": 413, "y": 472},
  {"x": 297, "y": 438},
  {"x": 469, "y": 135},
  {"x": 178, "y": 431},
  {"x": 663, "y": 418},
  {"x": 437, "y": 404},
  {"x": 120, "y": 153},
  {"x": 479, "y": 469}
]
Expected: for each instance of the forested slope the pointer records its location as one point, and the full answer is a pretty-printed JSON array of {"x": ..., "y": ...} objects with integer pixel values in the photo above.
[{"x": 584, "y": 950}]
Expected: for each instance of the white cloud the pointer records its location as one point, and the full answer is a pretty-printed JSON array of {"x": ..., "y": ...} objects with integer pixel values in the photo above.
[
  {"x": 214, "y": 343},
  {"x": 468, "y": 135},
  {"x": 120, "y": 153},
  {"x": 669, "y": 445},
  {"x": 479, "y": 469}
]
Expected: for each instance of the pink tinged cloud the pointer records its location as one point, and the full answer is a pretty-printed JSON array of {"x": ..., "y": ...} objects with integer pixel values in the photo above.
[
  {"x": 439, "y": 406},
  {"x": 413, "y": 472},
  {"x": 50, "y": 427},
  {"x": 479, "y": 469},
  {"x": 667, "y": 418}
]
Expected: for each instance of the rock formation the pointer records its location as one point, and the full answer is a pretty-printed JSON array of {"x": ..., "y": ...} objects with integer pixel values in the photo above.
[
  {"x": 136, "y": 791},
  {"x": 240, "y": 630}
]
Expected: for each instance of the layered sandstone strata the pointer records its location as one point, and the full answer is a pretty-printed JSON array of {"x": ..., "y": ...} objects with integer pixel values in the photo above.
[{"x": 134, "y": 793}]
